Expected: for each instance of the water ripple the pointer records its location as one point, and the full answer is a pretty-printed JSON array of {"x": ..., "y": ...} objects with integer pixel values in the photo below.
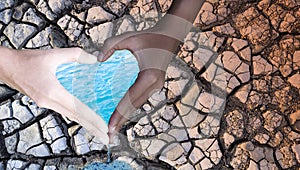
[{"x": 101, "y": 86}]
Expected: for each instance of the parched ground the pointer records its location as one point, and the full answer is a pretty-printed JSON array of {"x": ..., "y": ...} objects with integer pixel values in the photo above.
[{"x": 231, "y": 98}]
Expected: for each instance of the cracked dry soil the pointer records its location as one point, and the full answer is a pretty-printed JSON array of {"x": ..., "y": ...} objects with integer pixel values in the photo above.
[{"x": 230, "y": 101}]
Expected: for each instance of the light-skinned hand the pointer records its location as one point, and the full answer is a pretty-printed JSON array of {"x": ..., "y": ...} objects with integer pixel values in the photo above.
[{"x": 32, "y": 72}]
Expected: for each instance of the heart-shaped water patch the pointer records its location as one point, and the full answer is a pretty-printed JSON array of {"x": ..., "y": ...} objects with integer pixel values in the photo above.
[{"x": 102, "y": 85}]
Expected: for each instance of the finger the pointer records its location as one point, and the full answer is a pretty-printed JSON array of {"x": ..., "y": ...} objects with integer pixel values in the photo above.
[
  {"x": 137, "y": 95},
  {"x": 112, "y": 44},
  {"x": 152, "y": 64},
  {"x": 153, "y": 58},
  {"x": 86, "y": 58},
  {"x": 63, "y": 102},
  {"x": 64, "y": 55},
  {"x": 119, "y": 117}
]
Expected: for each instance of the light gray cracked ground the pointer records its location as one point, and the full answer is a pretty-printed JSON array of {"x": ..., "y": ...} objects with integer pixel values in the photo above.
[{"x": 230, "y": 101}]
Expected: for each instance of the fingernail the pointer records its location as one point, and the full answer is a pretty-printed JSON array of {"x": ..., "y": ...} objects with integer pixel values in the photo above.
[{"x": 100, "y": 56}]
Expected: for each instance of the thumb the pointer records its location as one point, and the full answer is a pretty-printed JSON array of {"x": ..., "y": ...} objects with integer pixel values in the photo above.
[{"x": 65, "y": 55}]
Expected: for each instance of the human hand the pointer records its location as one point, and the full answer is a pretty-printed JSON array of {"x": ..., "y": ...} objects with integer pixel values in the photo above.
[
  {"x": 32, "y": 72},
  {"x": 153, "y": 52}
]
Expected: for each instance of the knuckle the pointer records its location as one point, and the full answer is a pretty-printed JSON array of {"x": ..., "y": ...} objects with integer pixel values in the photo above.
[
  {"x": 108, "y": 43},
  {"x": 112, "y": 42},
  {"x": 154, "y": 78}
]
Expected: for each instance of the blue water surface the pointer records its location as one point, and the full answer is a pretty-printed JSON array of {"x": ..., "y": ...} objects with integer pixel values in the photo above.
[
  {"x": 102, "y": 85},
  {"x": 115, "y": 165}
]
